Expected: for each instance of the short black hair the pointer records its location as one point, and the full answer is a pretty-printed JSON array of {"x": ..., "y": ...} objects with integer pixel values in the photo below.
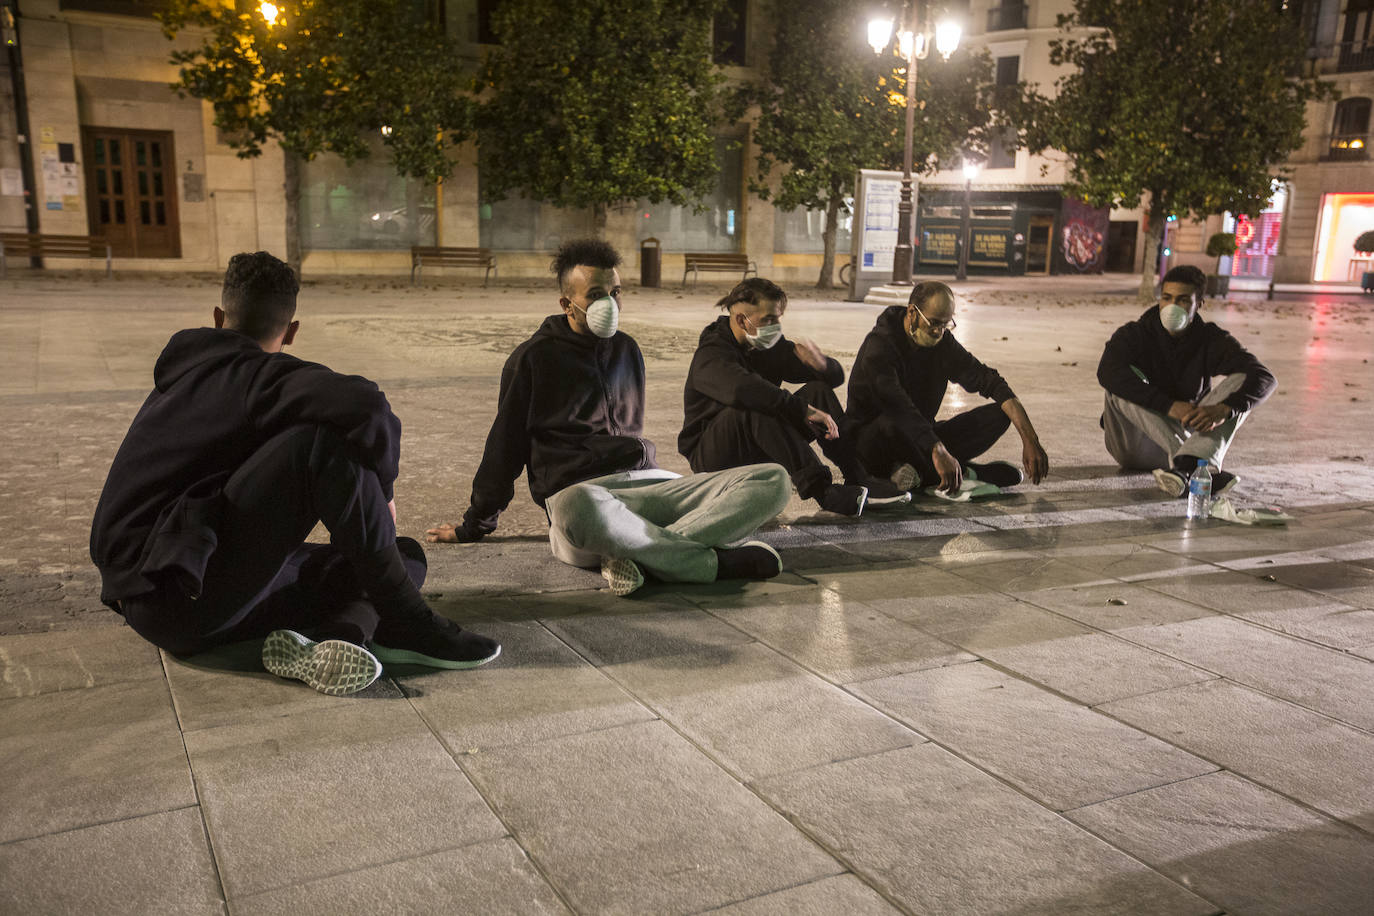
[
  {"x": 753, "y": 290},
  {"x": 1187, "y": 273},
  {"x": 926, "y": 290},
  {"x": 589, "y": 252},
  {"x": 259, "y": 295}
]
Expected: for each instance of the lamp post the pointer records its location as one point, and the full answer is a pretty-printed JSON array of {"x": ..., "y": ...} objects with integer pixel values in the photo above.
[
  {"x": 914, "y": 45},
  {"x": 970, "y": 173}
]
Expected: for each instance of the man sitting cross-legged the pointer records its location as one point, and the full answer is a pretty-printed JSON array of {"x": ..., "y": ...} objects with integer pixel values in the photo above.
[
  {"x": 737, "y": 412},
  {"x": 571, "y": 413},
  {"x": 900, "y": 376},
  {"x": 234, "y": 457},
  {"x": 1161, "y": 412}
]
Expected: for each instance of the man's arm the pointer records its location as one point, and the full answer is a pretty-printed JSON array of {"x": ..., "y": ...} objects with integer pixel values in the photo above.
[
  {"x": 722, "y": 379},
  {"x": 1033, "y": 457},
  {"x": 1233, "y": 358},
  {"x": 802, "y": 361},
  {"x": 1118, "y": 373}
]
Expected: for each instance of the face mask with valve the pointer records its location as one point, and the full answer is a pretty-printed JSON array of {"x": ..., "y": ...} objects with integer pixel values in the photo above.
[
  {"x": 1174, "y": 318},
  {"x": 764, "y": 335},
  {"x": 603, "y": 317}
]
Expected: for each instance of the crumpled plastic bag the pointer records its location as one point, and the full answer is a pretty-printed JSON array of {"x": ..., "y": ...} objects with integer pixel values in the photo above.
[
  {"x": 1267, "y": 518},
  {"x": 968, "y": 489}
]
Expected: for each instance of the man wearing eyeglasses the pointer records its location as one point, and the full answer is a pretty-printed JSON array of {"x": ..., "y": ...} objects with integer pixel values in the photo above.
[{"x": 895, "y": 389}]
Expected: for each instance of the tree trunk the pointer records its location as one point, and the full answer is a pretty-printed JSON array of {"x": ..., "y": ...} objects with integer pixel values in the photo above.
[
  {"x": 599, "y": 213},
  {"x": 832, "y": 217},
  {"x": 1154, "y": 235},
  {"x": 291, "y": 167}
]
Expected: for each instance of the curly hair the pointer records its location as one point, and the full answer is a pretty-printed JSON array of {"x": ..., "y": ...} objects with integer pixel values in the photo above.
[
  {"x": 588, "y": 252},
  {"x": 1190, "y": 275},
  {"x": 259, "y": 295},
  {"x": 754, "y": 290}
]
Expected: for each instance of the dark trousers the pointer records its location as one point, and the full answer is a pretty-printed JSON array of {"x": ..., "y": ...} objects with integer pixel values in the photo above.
[
  {"x": 264, "y": 577},
  {"x": 883, "y": 445},
  {"x": 737, "y": 438}
]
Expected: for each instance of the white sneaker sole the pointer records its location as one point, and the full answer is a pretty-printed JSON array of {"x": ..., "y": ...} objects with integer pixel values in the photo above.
[
  {"x": 904, "y": 478},
  {"x": 879, "y": 502},
  {"x": 407, "y": 657},
  {"x": 333, "y": 667},
  {"x": 1169, "y": 482},
  {"x": 768, "y": 548},
  {"x": 622, "y": 575}
]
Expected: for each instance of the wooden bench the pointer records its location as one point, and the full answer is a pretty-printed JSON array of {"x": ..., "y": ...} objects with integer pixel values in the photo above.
[
  {"x": 37, "y": 245},
  {"x": 421, "y": 257},
  {"x": 725, "y": 262}
]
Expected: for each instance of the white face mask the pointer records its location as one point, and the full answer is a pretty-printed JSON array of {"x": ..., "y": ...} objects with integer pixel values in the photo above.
[
  {"x": 603, "y": 317},
  {"x": 764, "y": 336},
  {"x": 1174, "y": 318}
]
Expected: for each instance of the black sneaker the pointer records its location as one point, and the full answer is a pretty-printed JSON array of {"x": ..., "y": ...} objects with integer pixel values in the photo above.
[
  {"x": 843, "y": 499},
  {"x": 751, "y": 560},
  {"x": 1171, "y": 481},
  {"x": 332, "y": 666},
  {"x": 436, "y": 643},
  {"x": 997, "y": 473},
  {"x": 1222, "y": 482},
  {"x": 882, "y": 492}
]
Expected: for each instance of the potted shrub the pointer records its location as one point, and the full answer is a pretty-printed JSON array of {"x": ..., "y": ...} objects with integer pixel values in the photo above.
[
  {"x": 1364, "y": 244},
  {"x": 1220, "y": 245}
]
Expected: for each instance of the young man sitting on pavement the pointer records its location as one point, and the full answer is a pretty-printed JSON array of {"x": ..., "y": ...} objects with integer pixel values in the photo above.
[
  {"x": 900, "y": 376},
  {"x": 234, "y": 457},
  {"x": 736, "y": 411},
  {"x": 1161, "y": 412},
  {"x": 571, "y": 413}
]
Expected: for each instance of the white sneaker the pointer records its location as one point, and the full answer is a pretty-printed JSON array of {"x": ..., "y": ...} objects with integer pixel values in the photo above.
[
  {"x": 334, "y": 667},
  {"x": 1171, "y": 482},
  {"x": 624, "y": 576},
  {"x": 904, "y": 478}
]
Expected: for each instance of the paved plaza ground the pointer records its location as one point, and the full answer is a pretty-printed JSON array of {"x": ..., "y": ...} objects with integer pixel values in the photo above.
[{"x": 1063, "y": 700}]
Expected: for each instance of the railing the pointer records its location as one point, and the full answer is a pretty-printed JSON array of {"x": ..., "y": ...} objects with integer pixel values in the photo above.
[
  {"x": 1007, "y": 16},
  {"x": 1347, "y": 147},
  {"x": 1354, "y": 55}
]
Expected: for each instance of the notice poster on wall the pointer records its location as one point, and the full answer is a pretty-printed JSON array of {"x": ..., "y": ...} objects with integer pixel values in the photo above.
[
  {"x": 51, "y": 167},
  {"x": 875, "y": 235}
]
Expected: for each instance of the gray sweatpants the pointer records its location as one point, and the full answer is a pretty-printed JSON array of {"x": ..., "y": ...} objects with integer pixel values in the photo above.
[
  {"x": 667, "y": 524},
  {"x": 1141, "y": 439}
]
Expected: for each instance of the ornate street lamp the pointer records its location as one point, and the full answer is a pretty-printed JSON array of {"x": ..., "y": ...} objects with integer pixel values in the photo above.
[{"x": 913, "y": 44}]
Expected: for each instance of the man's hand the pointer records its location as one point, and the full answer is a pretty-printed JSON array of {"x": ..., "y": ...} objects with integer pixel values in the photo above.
[
  {"x": 448, "y": 534},
  {"x": 1206, "y": 418},
  {"x": 823, "y": 421},
  {"x": 1034, "y": 460},
  {"x": 392, "y": 506},
  {"x": 1180, "y": 409},
  {"x": 951, "y": 474},
  {"x": 809, "y": 353}
]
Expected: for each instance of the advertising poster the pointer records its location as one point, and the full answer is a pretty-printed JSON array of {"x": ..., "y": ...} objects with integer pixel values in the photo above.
[
  {"x": 875, "y": 230},
  {"x": 1083, "y": 242}
]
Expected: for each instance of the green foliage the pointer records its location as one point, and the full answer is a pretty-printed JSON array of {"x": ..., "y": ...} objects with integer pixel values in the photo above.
[
  {"x": 592, "y": 104},
  {"x": 1221, "y": 244},
  {"x": 326, "y": 77},
  {"x": 1191, "y": 102},
  {"x": 1364, "y": 242}
]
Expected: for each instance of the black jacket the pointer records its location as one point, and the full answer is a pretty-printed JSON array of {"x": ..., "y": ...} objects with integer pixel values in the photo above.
[
  {"x": 893, "y": 377},
  {"x": 218, "y": 397},
  {"x": 1178, "y": 368},
  {"x": 571, "y": 408},
  {"x": 725, "y": 373}
]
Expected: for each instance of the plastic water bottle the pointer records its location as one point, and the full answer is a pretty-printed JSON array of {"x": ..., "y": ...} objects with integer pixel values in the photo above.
[{"x": 1200, "y": 491}]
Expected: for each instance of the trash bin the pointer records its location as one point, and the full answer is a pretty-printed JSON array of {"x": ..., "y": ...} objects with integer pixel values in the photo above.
[{"x": 650, "y": 263}]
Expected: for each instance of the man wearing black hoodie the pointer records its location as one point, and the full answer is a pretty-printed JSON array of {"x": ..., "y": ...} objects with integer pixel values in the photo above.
[
  {"x": 736, "y": 412},
  {"x": 233, "y": 458},
  {"x": 1161, "y": 412},
  {"x": 571, "y": 415},
  {"x": 900, "y": 376}
]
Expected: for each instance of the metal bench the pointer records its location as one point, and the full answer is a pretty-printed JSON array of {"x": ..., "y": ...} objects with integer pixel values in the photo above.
[
  {"x": 421, "y": 257},
  {"x": 725, "y": 262},
  {"x": 37, "y": 245}
]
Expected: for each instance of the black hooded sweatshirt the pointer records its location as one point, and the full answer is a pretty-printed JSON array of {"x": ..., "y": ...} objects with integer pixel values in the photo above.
[
  {"x": 726, "y": 373},
  {"x": 218, "y": 397},
  {"x": 571, "y": 408},
  {"x": 893, "y": 377},
  {"x": 1179, "y": 368}
]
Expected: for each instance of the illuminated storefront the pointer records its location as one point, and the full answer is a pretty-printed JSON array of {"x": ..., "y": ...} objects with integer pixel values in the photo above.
[
  {"x": 1343, "y": 218},
  {"x": 1257, "y": 239}
]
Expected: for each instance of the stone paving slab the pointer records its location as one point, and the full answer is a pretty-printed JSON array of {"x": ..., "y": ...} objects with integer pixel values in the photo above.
[
  {"x": 157, "y": 863},
  {"x": 841, "y": 894},
  {"x": 300, "y": 797},
  {"x": 1058, "y": 752},
  {"x": 875, "y": 812},
  {"x": 1291, "y": 750},
  {"x": 494, "y": 877},
  {"x": 634, "y": 820},
  {"x": 83, "y": 757},
  {"x": 40, "y": 663},
  {"x": 1115, "y": 605},
  {"x": 1250, "y": 850}
]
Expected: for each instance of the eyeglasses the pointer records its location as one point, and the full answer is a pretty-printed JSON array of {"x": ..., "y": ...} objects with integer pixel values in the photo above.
[{"x": 936, "y": 326}]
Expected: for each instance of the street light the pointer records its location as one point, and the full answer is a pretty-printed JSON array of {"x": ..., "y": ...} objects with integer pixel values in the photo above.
[
  {"x": 970, "y": 173},
  {"x": 913, "y": 44}
]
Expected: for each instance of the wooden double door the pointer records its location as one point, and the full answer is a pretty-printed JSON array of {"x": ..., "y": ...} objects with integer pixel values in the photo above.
[{"x": 131, "y": 191}]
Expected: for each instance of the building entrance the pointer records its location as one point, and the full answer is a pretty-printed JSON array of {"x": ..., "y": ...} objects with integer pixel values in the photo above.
[{"x": 129, "y": 189}]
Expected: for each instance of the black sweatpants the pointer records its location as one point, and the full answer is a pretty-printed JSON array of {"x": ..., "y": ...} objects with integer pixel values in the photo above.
[
  {"x": 739, "y": 437},
  {"x": 883, "y": 445},
  {"x": 264, "y": 577}
]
